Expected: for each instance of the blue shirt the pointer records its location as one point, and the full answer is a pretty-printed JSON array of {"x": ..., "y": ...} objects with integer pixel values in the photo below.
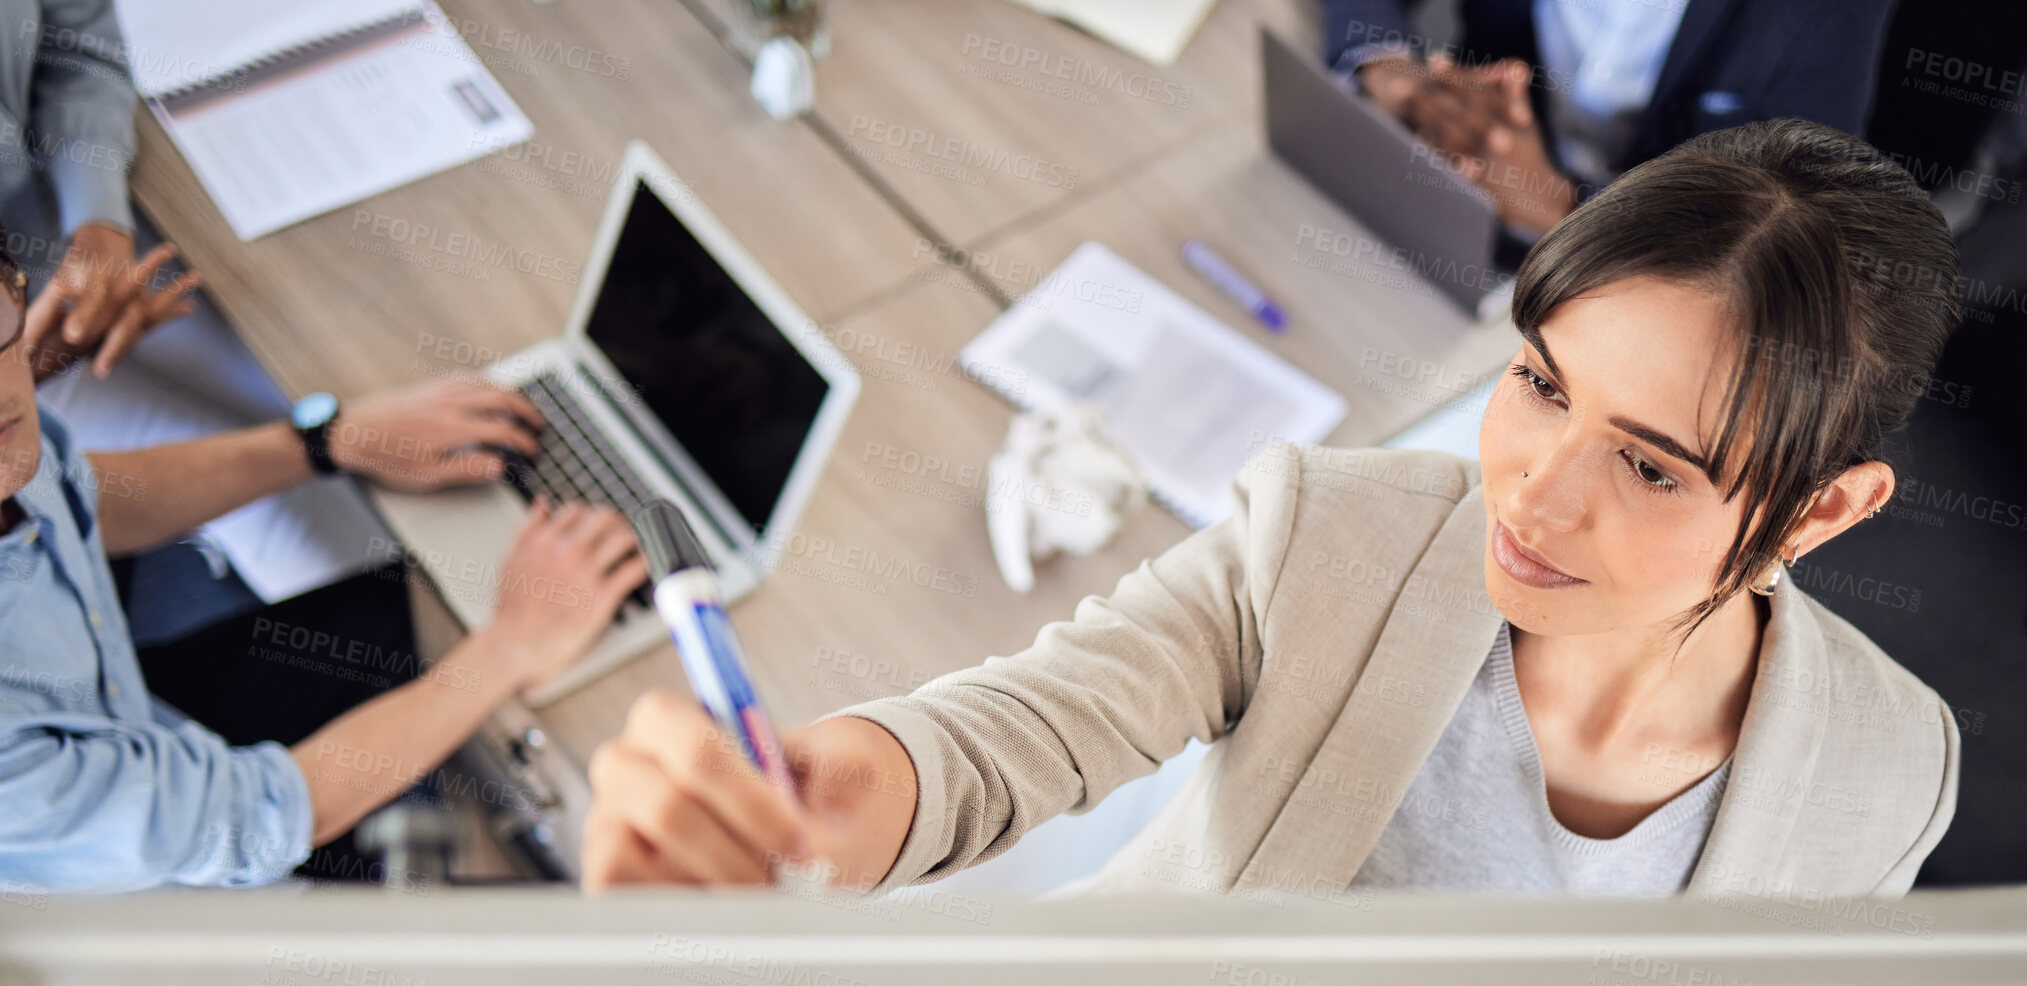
[
  {"x": 1602, "y": 59},
  {"x": 102, "y": 788}
]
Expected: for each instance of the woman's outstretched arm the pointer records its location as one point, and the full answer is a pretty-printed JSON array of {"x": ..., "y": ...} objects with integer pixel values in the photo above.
[{"x": 956, "y": 772}]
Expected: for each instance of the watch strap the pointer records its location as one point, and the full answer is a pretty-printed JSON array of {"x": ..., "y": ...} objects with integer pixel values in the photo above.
[{"x": 317, "y": 443}]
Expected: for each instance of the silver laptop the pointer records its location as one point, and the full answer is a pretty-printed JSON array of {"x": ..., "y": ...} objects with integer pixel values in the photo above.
[
  {"x": 1374, "y": 168},
  {"x": 684, "y": 373}
]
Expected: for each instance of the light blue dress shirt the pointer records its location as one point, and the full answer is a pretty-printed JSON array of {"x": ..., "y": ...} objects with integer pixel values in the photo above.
[
  {"x": 102, "y": 788},
  {"x": 1602, "y": 59}
]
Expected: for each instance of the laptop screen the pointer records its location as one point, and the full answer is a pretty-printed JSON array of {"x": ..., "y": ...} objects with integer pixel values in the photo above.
[{"x": 704, "y": 358}]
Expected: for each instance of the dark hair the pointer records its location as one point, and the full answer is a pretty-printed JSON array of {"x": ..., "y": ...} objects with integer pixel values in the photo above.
[
  {"x": 13, "y": 279},
  {"x": 1838, "y": 272}
]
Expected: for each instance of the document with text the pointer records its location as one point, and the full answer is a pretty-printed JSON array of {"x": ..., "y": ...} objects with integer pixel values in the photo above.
[{"x": 1192, "y": 399}]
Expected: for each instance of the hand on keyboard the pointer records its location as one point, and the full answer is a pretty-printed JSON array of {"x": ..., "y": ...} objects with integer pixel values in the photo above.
[
  {"x": 435, "y": 435},
  {"x": 569, "y": 570},
  {"x": 575, "y": 461}
]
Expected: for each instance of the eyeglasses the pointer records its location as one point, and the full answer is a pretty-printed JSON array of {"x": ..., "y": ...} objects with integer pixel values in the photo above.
[{"x": 15, "y": 281}]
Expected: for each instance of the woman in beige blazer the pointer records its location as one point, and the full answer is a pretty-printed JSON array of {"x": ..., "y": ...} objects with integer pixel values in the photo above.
[{"x": 1716, "y": 346}]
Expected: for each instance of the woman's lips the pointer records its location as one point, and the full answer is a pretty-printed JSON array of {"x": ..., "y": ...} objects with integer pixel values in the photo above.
[{"x": 1521, "y": 567}]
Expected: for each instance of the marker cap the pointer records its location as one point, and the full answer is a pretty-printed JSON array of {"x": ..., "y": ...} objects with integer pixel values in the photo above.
[{"x": 666, "y": 539}]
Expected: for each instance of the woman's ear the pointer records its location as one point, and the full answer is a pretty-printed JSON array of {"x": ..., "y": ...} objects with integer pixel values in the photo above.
[{"x": 1854, "y": 495}]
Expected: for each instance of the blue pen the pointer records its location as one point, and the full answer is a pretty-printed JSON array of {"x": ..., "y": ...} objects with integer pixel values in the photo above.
[
  {"x": 1206, "y": 262},
  {"x": 690, "y": 604}
]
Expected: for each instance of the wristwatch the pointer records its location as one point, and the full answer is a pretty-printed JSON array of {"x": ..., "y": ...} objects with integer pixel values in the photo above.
[{"x": 312, "y": 417}]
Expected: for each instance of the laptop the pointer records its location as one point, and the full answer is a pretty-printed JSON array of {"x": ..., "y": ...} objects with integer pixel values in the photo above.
[
  {"x": 684, "y": 373},
  {"x": 1376, "y": 169}
]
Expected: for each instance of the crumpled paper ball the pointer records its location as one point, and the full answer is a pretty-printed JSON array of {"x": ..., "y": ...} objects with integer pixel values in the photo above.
[{"x": 1058, "y": 484}]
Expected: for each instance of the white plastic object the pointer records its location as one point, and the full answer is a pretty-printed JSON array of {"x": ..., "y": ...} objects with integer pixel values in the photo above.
[{"x": 784, "y": 78}]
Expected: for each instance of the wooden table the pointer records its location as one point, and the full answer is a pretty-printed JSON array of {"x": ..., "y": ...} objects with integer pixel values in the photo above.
[
  {"x": 936, "y": 80},
  {"x": 980, "y": 114}
]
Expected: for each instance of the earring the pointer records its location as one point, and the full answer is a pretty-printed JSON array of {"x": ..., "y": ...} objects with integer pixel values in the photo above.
[
  {"x": 1773, "y": 581},
  {"x": 1523, "y": 474}
]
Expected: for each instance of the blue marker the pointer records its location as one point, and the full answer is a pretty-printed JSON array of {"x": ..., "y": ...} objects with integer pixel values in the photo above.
[
  {"x": 1234, "y": 284},
  {"x": 690, "y": 604}
]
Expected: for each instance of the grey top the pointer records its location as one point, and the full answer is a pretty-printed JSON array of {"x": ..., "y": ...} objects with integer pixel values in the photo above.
[
  {"x": 1476, "y": 817},
  {"x": 66, "y": 125}
]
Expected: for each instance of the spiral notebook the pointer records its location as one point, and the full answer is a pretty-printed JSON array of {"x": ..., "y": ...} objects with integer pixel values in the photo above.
[
  {"x": 288, "y": 110},
  {"x": 1191, "y": 398}
]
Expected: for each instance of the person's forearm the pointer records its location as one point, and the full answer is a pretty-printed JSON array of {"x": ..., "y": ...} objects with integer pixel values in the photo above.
[
  {"x": 371, "y": 754},
  {"x": 1546, "y": 197},
  {"x": 148, "y": 496},
  {"x": 880, "y": 807}
]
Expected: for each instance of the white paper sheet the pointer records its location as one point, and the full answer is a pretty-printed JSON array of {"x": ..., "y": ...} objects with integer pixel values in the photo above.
[
  {"x": 1155, "y": 30},
  {"x": 1187, "y": 395}
]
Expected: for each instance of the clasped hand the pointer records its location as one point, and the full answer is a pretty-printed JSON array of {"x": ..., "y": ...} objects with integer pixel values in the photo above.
[{"x": 1480, "y": 119}]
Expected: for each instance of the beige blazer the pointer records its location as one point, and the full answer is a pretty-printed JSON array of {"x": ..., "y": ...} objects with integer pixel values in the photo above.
[{"x": 1320, "y": 639}]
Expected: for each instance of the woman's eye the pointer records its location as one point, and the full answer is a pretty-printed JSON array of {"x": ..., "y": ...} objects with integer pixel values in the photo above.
[
  {"x": 1649, "y": 475},
  {"x": 1535, "y": 382}
]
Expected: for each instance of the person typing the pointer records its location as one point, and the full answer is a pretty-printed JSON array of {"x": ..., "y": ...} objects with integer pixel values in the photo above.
[{"x": 108, "y": 789}]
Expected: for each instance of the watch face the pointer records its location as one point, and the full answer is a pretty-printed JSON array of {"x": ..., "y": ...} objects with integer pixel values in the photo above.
[{"x": 313, "y": 410}]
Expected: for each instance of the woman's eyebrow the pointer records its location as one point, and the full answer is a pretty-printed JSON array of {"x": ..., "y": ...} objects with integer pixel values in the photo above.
[
  {"x": 1660, "y": 441},
  {"x": 1634, "y": 428},
  {"x": 1533, "y": 337}
]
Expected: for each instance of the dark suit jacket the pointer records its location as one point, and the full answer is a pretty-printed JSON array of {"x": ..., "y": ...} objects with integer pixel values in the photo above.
[{"x": 1732, "y": 61}]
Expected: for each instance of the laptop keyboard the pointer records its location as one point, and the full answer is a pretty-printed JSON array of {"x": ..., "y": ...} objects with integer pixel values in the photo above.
[{"x": 578, "y": 463}]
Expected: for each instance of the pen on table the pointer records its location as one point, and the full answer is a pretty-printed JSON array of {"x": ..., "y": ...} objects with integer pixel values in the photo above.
[
  {"x": 1213, "y": 268},
  {"x": 690, "y": 603}
]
